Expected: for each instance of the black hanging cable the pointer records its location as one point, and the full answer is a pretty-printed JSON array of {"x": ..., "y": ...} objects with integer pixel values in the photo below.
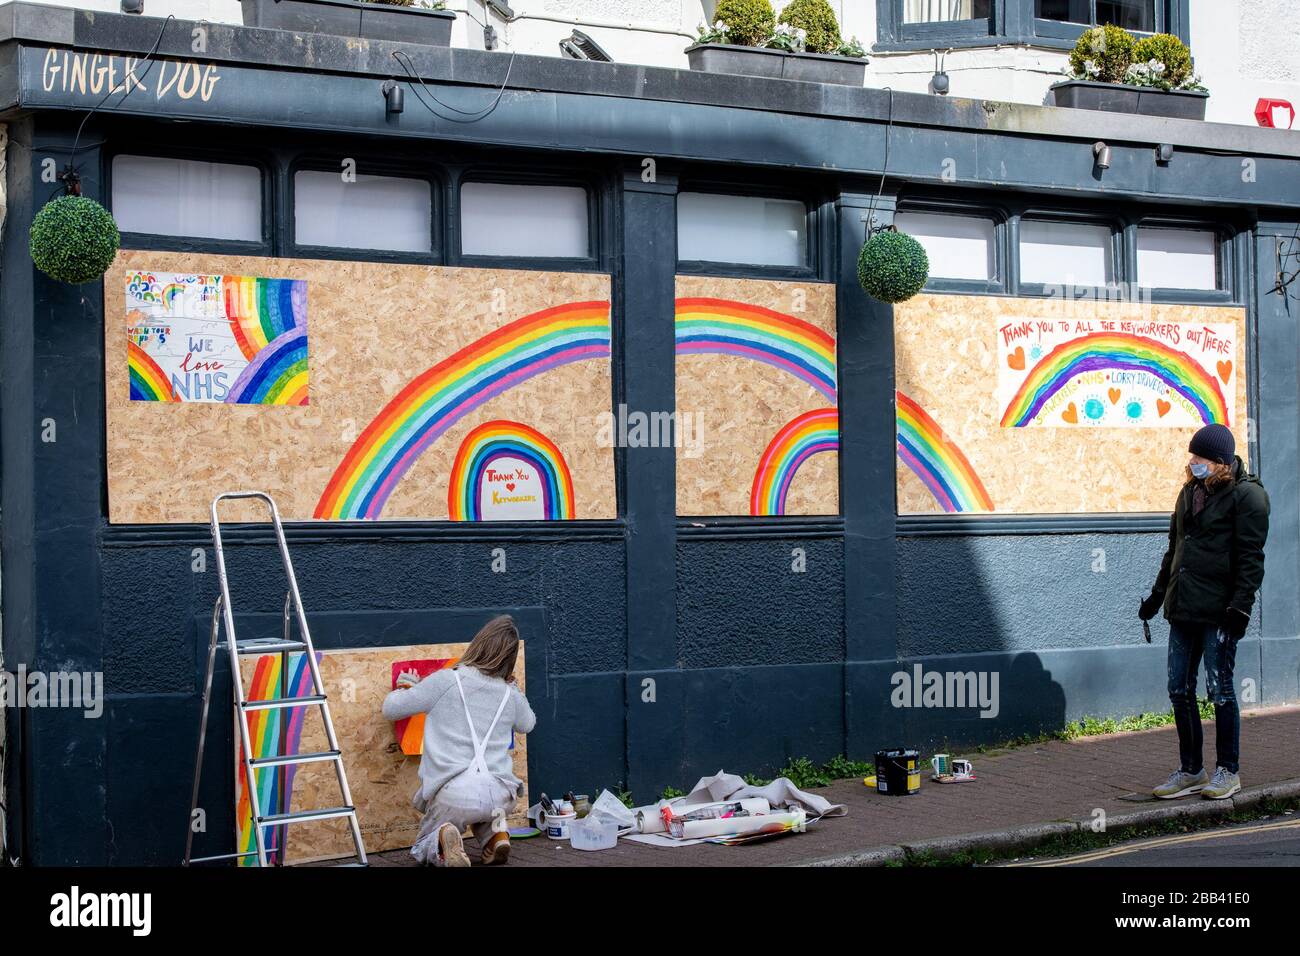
[
  {"x": 474, "y": 115},
  {"x": 889, "y": 125}
]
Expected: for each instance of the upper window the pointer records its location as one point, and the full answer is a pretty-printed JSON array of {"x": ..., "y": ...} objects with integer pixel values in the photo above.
[
  {"x": 1136, "y": 15},
  {"x": 524, "y": 220},
  {"x": 368, "y": 212},
  {"x": 746, "y": 230},
  {"x": 945, "y": 11},
  {"x": 958, "y": 247},
  {"x": 1066, "y": 253},
  {"x": 185, "y": 197},
  {"x": 929, "y": 24},
  {"x": 1177, "y": 258}
]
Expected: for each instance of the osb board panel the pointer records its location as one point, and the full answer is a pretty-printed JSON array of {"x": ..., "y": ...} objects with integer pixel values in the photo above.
[
  {"x": 946, "y": 361},
  {"x": 381, "y": 777},
  {"x": 738, "y": 405},
  {"x": 372, "y": 328}
]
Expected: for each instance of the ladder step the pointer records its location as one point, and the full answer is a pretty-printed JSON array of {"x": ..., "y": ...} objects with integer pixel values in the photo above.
[
  {"x": 302, "y": 816},
  {"x": 223, "y": 856},
  {"x": 283, "y": 702},
  {"x": 296, "y": 758},
  {"x": 268, "y": 645}
]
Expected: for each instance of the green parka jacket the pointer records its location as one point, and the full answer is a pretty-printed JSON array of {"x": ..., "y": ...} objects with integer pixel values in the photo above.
[{"x": 1215, "y": 559}]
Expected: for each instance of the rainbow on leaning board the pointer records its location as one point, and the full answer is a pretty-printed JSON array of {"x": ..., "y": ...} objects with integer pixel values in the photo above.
[
  {"x": 262, "y": 310},
  {"x": 807, "y": 435},
  {"x": 725, "y": 327},
  {"x": 493, "y": 441},
  {"x": 444, "y": 394},
  {"x": 1116, "y": 351},
  {"x": 264, "y": 732},
  {"x": 937, "y": 461},
  {"x": 148, "y": 382}
]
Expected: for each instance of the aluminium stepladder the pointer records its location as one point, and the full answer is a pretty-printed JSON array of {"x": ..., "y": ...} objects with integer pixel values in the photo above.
[{"x": 222, "y": 612}]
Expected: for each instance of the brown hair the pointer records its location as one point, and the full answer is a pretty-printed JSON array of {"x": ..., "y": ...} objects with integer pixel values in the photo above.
[
  {"x": 495, "y": 648},
  {"x": 1220, "y": 474}
]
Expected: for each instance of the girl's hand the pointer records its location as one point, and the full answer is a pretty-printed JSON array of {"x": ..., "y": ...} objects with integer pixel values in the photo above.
[{"x": 407, "y": 680}]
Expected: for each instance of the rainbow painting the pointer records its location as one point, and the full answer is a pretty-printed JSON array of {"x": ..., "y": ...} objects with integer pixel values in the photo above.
[
  {"x": 1116, "y": 351},
  {"x": 488, "y": 445},
  {"x": 260, "y": 311},
  {"x": 277, "y": 375},
  {"x": 410, "y": 730},
  {"x": 264, "y": 732},
  {"x": 937, "y": 461},
  {"x": 809, "y": 434},
  {"x": 724, "y": 327},
  {"x": 441, "y": 396},
  {"x": 148, "y": 382}
]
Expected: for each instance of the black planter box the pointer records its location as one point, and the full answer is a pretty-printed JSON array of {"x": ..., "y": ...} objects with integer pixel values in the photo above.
[
  {"x": 760, "y": 61},
  {"x": 1122, "y": 98},
  {"x": 346, "y": 18}
]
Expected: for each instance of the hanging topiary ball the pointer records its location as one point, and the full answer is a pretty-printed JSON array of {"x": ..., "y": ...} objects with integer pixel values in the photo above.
[
  {"x": 74, "y": 239},
  {"x": 893, "y": 266}
]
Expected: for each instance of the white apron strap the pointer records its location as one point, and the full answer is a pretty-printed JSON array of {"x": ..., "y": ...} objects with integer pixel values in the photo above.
[{"x": 480, "y": 746}]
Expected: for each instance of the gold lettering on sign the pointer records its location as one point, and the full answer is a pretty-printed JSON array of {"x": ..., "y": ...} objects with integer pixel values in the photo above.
[{"x": 93, "y": 74}]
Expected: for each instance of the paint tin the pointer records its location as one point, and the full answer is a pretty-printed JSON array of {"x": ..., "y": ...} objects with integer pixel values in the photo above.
[
  {"x": 898, "y": 772},
  {"x": 557, "y": 825}
]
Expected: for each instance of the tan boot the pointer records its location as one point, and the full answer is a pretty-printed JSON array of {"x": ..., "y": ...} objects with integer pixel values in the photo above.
[
  {"x": 451, "y": 849},
  {"x": 497, "y": 851}
]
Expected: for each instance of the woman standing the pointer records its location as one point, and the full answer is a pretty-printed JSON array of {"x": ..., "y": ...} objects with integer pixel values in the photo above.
[{"x": 1207, "y": 584}]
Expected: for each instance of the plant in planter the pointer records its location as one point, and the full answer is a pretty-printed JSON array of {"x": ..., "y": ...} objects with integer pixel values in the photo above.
[
  {"x": 746, "y": 38},
  {"x": 817, "y": 21},
  {"x": 1111, "y": 70},
  {"x": 892, "y": 266},
  {"x": 73, "y": 239},
  {"x": 748, "y": 22}
]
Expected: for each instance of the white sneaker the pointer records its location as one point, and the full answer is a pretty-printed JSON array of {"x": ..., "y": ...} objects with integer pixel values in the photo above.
[{"x": 1182, "y": 784}]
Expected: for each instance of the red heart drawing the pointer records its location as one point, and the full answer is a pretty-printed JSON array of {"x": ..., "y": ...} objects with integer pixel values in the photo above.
[
  {"x": 1162, "y": 407},
  {"x": 510, "y": 486},
  {"x": 1114, "y": 395},
  {"x": 1071, "y": 414},
  {"x": 1225, "y": 370},
  {"x": 1017, "y": 359}
]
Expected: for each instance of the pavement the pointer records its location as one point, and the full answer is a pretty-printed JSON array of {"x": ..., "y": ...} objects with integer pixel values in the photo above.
[{"x": 1021, "y": 797}]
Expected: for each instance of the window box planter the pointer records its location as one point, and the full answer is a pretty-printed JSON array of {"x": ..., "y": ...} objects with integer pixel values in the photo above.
[
  {"x": 349, "y": 18},
  {"x": 760, "y": 61},
  {"x": 1122, "y": 98}
]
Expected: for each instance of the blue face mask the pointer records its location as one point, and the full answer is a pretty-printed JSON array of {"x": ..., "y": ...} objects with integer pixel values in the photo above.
[{"x": 1199, "y": 469}]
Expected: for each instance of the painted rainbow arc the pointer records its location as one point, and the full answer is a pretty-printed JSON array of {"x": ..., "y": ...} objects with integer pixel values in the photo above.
[
  {"x": 1121, "y": 351},
  {"x": 277, "y": 376},
  {"x": 492, "y": 441},
  {"x": 809, "y": 434},
  {"x": 937, "y": 461},
  {"x": 726, "y": 327},
  {"x": 444, "y": 394},
  {"x": 261, "y": 310},
  {"x": 149, "y": 383}
]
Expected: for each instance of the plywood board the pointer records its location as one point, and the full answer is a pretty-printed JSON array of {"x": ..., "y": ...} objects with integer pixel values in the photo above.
[
  {"x": 1109, "y": 436},
  {"x": 756, "y": 397},
  {"x": 382, "y": 778},
  {"x": 404, "y": 363}
]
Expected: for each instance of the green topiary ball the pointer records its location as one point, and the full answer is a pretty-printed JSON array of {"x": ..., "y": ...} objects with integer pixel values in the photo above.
[
  {"x": 74, "y": 239},
  {"x": 1103, "y": 54},
  {"x": 1169, "y": 50},
  {"x": 749, "y": 22},
  {"x": 893, "y": 266},
  {"x": 817, "y": 19}
]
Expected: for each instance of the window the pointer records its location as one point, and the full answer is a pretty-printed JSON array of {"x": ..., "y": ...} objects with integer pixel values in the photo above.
[
  {"x": 372, "y": 212},
  {"x": 959, "y": 247},
  {"x": 1056, "y": 24},
  {"x": 1137, "y": 15},
  {"x": 183, "y": 197},
  {"x": 524, "y": 220},
  {"x": 1177, "y": 258},
  {"x": 1066, "y": 253},
  {"x": 748, "y": 230},
  {"x": 941, "y": 11}
]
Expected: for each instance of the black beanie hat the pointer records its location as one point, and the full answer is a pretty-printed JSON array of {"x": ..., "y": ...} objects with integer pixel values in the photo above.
[{"x": 1215, "y": 443}]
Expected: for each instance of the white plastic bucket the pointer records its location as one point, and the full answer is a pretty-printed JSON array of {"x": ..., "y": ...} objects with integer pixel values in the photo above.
[
  {"x": 557, "y": 825},
  {"x": 593, "y": 833}
]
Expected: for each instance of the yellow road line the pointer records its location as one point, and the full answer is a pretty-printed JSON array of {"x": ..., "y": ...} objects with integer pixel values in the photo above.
[{"x": 1159, "y": 842}]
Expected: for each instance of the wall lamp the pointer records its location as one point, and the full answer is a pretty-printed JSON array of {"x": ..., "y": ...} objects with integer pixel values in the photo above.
[
  {"x": 1101, "y": 155},
  {"x": 132, "y": 6},
  {"x": 393, "y": 97},
  {"x": 1165, "y": 154},
  {"x": 939, "y": 82}
]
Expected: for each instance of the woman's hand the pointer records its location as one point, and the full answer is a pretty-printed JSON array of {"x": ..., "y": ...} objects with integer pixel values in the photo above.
[
  {"x": 1151, "y": 606},
  {"x": 407, "y": 680}
]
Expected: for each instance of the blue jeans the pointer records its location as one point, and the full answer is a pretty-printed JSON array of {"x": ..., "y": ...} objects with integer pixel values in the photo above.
[{"x": 1188, "y": 642}]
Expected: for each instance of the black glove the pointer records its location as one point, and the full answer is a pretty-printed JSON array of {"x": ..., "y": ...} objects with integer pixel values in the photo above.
[
  {"x": 1152, "y": 605},
  {"x": 1234, "y": 623}
]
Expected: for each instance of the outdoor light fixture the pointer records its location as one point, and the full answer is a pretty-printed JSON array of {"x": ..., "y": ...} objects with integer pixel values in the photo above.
[
  {"x": 582, "y": 47},
  {"x": 501, "y": 9},
  {"x": 132, "y": 6},
  {"x": 392, "y": 97},
  {"x": 1101, "y": 154},
  {"x": 489, "y": 37},
  {"x": 939, "y": 82},
  {"x": 1165, "y": 153}
]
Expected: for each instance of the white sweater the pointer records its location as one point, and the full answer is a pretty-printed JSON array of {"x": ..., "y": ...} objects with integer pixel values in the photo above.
[{"x": 448, "y": 748}]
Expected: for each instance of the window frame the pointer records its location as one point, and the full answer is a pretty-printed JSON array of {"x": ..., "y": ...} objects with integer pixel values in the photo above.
[
  {"x": 1118, "y": 262},
  {"x": 998, "y": 283},
  {"x": 366, "y": 166},
  {"x": 1070, "y": 32},
  {"x": 267, "y": 173},
  {"x": 502, "y": 175},
  {"x": 814, "y": 242},
  {"x": 1226, "y": 261}
]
